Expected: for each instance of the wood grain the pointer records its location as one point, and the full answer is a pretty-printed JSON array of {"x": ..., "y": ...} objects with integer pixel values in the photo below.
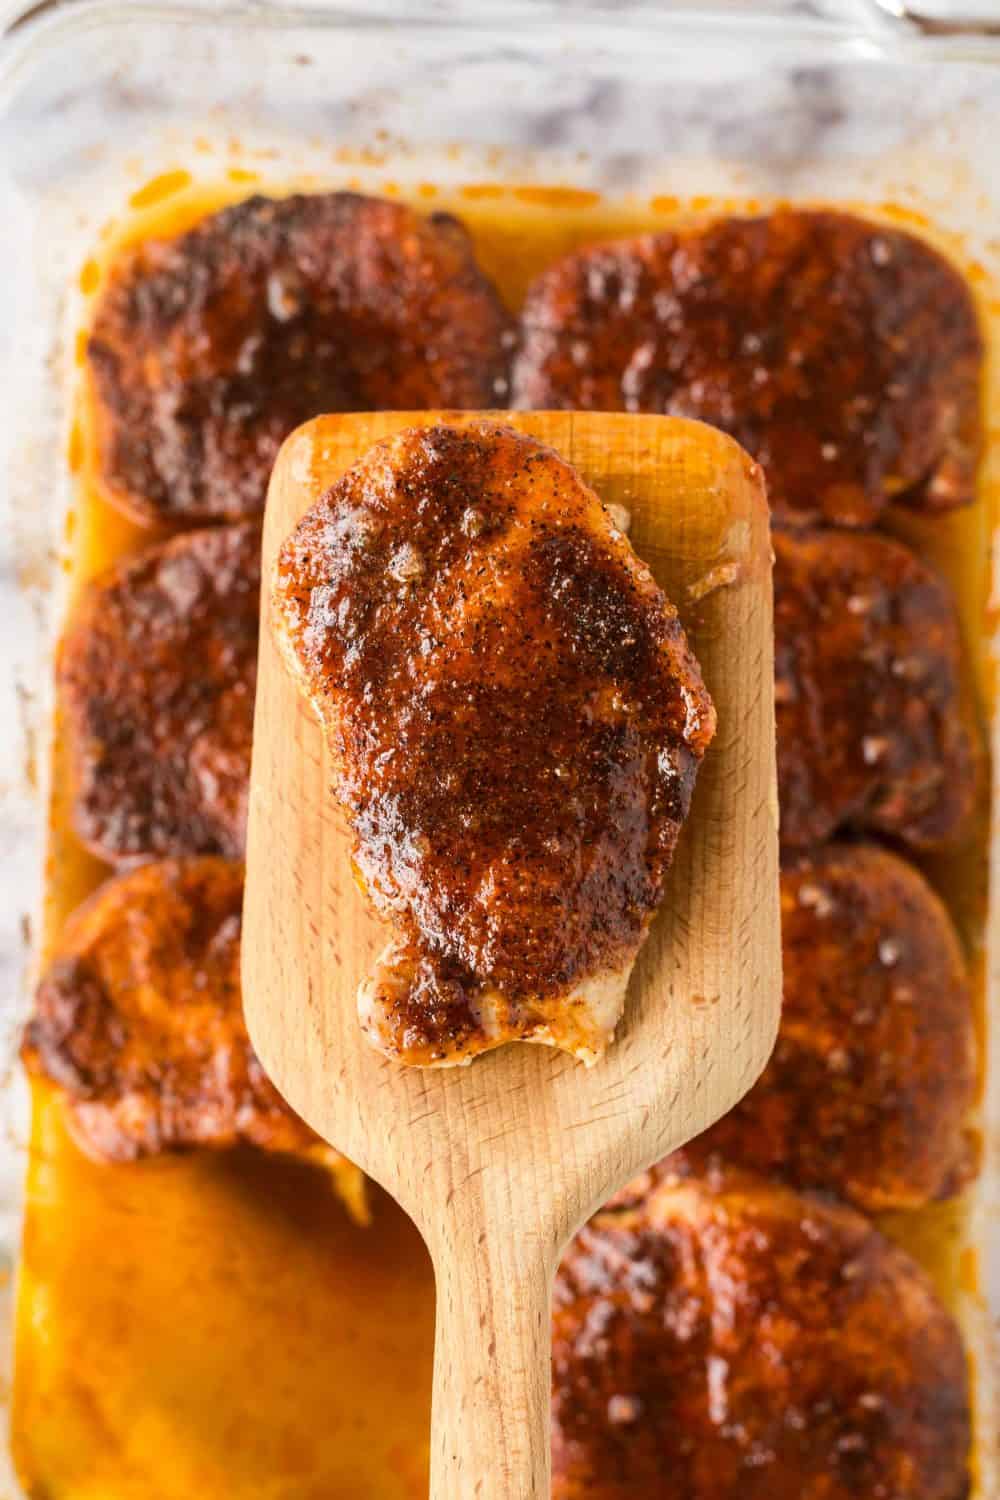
[{"x": 499, "y": 1162}]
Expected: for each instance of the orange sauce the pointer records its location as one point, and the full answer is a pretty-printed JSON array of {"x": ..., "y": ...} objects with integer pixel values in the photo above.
[{"x": 216, "y": 1325}]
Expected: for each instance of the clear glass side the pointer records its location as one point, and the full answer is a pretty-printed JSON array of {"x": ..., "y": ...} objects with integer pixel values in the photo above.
[{"x": 97, "y": 98}]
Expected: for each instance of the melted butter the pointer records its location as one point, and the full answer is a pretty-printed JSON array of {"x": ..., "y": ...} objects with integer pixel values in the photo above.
[
  {"x": 158, "y": 189},
  {"x": 215, "y": 1325}
]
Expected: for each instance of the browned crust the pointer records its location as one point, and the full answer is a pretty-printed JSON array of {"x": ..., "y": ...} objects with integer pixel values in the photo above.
[
  {"x": 208, "y": 349},
  {"x": 514, "y": 711},
  {"x": 728, "y": 1340},
  {"x": 870, "y": 1089},
  {"x": 845, "y": 356},
  {"x": 873, "y": 730},
  {"x": 156, "y": 674},
  {"x": 139, "y": 1020}
]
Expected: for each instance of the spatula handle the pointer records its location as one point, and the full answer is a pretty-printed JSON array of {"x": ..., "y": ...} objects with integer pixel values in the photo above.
[{"x": 492, "y": 1352}]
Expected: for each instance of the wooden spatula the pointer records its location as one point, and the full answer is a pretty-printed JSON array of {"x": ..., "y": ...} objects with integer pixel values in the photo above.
[{"x": 501, "y": 1161}]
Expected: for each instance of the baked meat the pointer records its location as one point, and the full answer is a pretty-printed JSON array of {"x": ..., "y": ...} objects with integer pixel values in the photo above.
[
  {"x": 726, "y": 1339},
  {"x": 516, "y": 722},
  {"x": 873, "y": 728},
  {"x": 208, "y": 349},
  {"x": 870, "y": 1088},
  {"x": 138, "y": 1020},
  {"x": 156, "y": 676},
  {"x": 845, "y": 356}
]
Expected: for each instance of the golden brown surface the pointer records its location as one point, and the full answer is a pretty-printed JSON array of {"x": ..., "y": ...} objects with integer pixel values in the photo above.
[
  {"x": 156, "y": 675},
  {"x": 870, "y": 1088},
  {"x": 138, "y": 1020},
  {"x": 845, "y": 356},
  {"x": 208, "y": 349},
  {"x": 515, "y": 721},
  {"x": 727, "y": 1340},
  {"x": 872, "y": 728}
]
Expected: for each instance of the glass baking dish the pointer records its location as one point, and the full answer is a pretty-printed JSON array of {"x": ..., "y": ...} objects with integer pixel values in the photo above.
[{"x": 614, "y": 110}]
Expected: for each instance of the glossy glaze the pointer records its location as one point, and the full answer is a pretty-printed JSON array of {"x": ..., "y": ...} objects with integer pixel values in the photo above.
[
  {"x": 870, "y": 1091},
  {"x": 873, "y": 727},
  {"x": 724, "y": 1339},
  {"x": 156, "y": 675},
  {"x": 844, "y": 356},
  {"x": 516, "y": 722},
  {"x": 208, "y": 350},
  {"x": 138, "y": 1019}
]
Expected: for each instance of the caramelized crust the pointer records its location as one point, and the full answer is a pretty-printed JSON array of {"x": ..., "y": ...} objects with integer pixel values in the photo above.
[
  {"x": 208, "y": 349},
  {"x": 844, "y": 356},
  {"x": 872, "y": 728},
  {"x": 516, "y": 723},
  {"x": 723, "y": 1339},
  {"x": 869, "y": 1091},
  {"x": 139, "y": 1020},
  {"x": 156, "y": 674}
]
